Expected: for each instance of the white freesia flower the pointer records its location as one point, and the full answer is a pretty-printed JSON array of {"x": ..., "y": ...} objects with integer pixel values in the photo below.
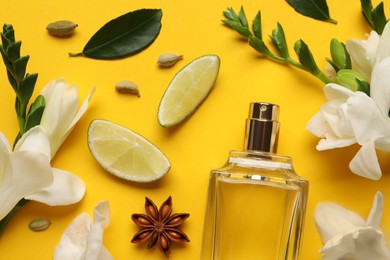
[
  {"x": 26, "y": 173},
  {"x": 83, "y": 239},
  {"x": 61, "y": 114},
  {"x": 346, "y": 235},
  {"x": 353, "y": 117},
  {"x": 365, "y": 54}
]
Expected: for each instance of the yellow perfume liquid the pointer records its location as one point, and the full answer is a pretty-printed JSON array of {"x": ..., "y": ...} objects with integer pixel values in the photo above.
[{"x": 256, "y": 202}]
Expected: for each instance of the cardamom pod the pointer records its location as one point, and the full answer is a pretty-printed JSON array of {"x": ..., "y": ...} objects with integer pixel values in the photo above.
[
  {"x": 39, "y": 224},
  {"x": 168, "y": 59},
  {"x": 128, "y": 87},
  {"x": 61, "y": 28}
]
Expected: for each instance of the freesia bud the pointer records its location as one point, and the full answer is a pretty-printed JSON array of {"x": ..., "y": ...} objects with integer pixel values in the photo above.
[
  {"x": 350, "y": 79},
  {"x": 340, "y": 55}
]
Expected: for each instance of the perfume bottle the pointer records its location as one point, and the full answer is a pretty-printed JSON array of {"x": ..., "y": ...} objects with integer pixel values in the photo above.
[{"x": 256, "y": 202}]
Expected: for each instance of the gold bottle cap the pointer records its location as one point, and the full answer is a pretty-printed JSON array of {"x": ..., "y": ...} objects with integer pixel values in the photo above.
[{"x": 262, "y": 127}]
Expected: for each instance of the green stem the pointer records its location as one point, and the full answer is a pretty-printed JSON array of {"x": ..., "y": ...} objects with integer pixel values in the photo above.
[
  {"x": 7, "y": 218},
  {"x": 74, "y": 54}
]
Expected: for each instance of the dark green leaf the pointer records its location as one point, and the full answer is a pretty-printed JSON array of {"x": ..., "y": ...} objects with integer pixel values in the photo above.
[
  {"x": 243, "y": 31},
  {"x": 316, "y": 9},
  {"x": 26, "y": 87},
  {"x": 7, "y": 62},
  {"x": 20, "y": 67},
  {"x": 279, "y": 41},
  {"x": 379, "y": 18},
  {"x": 305, "y": 57},
  {"x": 230, "y": 14},
  {"x": 13, "y": 51},
  {"x": 363, "y": 86},
  {"x": 256, "y": 26},
  {"x": 259, "y": 45},
  {"x": 125, "y": 35},
  {"x": 35, "y": 113},
  {"x": 375, "y": 17},
  {"x": 242, "y": 17}
]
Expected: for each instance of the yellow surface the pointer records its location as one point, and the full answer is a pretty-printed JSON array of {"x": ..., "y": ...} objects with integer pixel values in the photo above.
[{"x": 202, "y": 142}]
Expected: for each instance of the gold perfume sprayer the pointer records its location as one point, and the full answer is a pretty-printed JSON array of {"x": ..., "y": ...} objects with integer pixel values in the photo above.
[{"x": 262, "y": 127}]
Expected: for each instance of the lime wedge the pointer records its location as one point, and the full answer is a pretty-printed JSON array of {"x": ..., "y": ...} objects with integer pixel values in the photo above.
[
  {"x": 125, "y": 153},
  {"x": 188, "y": 89}
]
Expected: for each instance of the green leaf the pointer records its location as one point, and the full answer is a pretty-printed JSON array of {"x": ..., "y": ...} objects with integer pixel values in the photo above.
[
  {"x": 20, "y": 67},
  {"x": 316, "y": 9},
  {"x": 305, "y": 57},
  {"x": 279, "y": 41},
  {"x": 231, "y": 15},
  {"x": 259, "y": 46},
  {"x": 26, "y": 87},
  {"x": 256, "y": 26},
  {"x": 35, "y": 113},
  {"x": 13, "y": 51},
  {"x": 375, "y": 17},
  {"x": 379, "y": 18},
  {"x": 242, "y": 17},
  {"x": 124, "y": 35},
  {"x": 243, "y": 31}
]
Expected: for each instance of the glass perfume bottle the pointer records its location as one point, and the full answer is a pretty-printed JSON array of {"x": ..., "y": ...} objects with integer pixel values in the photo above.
[{"x": 256, "y": 202}]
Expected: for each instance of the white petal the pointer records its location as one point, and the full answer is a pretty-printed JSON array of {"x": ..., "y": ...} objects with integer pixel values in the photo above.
[
  {"x": 383, "y": 50},
  {"x": 102, "y": 213},
  {"x": 365, "y": 163},
  {"x": 375, "y": 217},
  {"x": 95, "y": 248},
  {"x": 66, "y": 189},
  {"x": 332, "y": 219},
  {"x": 380, "y": 85},
  {"x": 34, "y": 140},
  {"x": 362, "y": 244},
  {"x": 318, "y": 126},
  {"x": 367, "y": 121},
  {"x": 4, "y": 144},
  {"x": 23, "y": 173},
  {"x": 334, "y": 91},
  {"x": 75, "y": 119},
  {"x": 74, "y": 240},
  {"x": 332, "y": 141},
  {"x": 83, "y": 240},
  {"x": 359, "y": 57}
]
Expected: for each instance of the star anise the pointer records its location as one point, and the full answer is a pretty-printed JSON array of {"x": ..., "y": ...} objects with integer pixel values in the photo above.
[{"x": 159, "y": 226}]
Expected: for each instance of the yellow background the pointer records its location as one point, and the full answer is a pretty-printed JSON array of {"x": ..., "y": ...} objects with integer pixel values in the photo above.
[{"x": 192, "y": 28}]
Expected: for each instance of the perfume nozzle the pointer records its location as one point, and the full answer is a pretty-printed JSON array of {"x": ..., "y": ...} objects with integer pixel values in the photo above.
[{"x": 262, "y": 127}]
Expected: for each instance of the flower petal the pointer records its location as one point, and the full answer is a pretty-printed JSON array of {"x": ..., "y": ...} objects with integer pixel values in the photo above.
[
  {"x": 84, "y": 239},
  {"x": 65, "y": 132},
  {"x": 22, "y": 173},
  {"x": 367, "y": 121},
  {"x": 380, "y": 86},
  {"x": 95, "y": 248},
  {"x": 383, "y": 50},
  {"x": 332, "y": 219},
  {"x": 362, "y": 63},
  {"x": 73, "y": 240},
  {"x": 365, "y": 163},
  {"x": 66, "y": 189},
  {"x": 375, "y": 217},
  {"x": 34, "y": 140},
  {"x": 362, "y": 244}
]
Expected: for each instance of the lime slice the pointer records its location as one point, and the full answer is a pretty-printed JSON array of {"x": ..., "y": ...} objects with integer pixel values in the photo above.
[
  {"x": 125, "y": 153},
  {"x": 188, "y": 89}
]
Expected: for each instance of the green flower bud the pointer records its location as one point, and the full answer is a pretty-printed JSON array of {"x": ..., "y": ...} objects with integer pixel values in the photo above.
[
  {"x": 340, "y": 55},
  {"x": 350, "y": 79}
]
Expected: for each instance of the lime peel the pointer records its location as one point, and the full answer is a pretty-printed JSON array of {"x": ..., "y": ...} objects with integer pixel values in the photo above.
[
  {"x": 188, "y": 89},
  {"x": 124, "y": 153}
]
